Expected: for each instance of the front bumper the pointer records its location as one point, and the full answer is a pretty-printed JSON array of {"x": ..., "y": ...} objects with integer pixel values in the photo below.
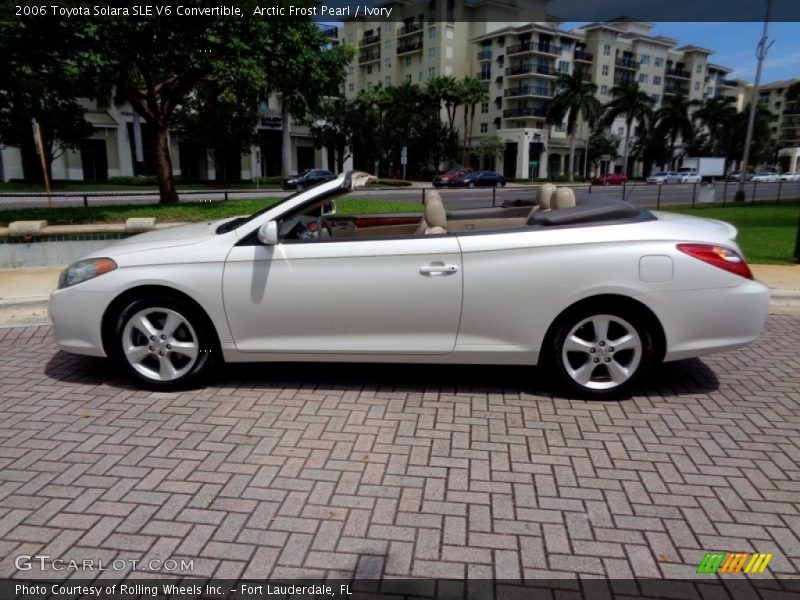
[{"x": 77, "y": 318}]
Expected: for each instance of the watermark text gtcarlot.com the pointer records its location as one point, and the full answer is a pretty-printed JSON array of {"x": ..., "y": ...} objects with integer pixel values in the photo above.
[{"x": 44, "y": 562}]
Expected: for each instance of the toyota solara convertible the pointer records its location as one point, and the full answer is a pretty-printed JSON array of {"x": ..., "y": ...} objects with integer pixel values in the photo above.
[{"x": 598, "y": 292}]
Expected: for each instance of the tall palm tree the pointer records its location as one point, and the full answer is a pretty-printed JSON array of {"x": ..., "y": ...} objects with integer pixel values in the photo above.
[
  {"x": 716, "y": 115},
  {"x": 574, "y": 99},
  {"x": 446, "y": 89},
  {"x": 472, "y": 93},
  {"x": 673, "y": 120},
  {"x": 630, "y": 102}
]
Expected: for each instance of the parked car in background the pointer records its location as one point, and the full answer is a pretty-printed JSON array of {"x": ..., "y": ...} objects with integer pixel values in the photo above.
[
  {"x": 691, "y": 178},
  {"x": 735, "y": 175},
  {"x": 795, "y": 176},
  {"x": 610, "y": 179},
  {"x": 664, "y": 177},
  {"x": 447, "y": 178},
  {"x": 596, "y": 293},
  {"x": 480, "y": 178},
  {"x": 308, "y": 178},
  {"x": 766, "y": 177}
]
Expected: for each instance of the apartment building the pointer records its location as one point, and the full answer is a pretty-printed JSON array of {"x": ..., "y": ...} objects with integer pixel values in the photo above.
[{"x": 519, "y": 63}]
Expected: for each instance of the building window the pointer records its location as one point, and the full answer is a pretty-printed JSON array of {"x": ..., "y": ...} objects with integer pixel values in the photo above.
[
  {"x": 408, "y": 61},
  {"x": 408, "y": 77},
  {"x": 645, "y": 59},
  {"x": 484, "y": 108},
  {"x": 350, "y": 70},
  {"x": 388, "y": 63},
  {"x": 387, "y": 80},
  {"x": 605, "y": 70},
  {"x": 604, "y": 90},
  {"x": 656, "y": 80},
  {"x": 563, "y": 66},
  {"x": 369, "y": 69},
  {"x": 369, "y": 85},
  {"x": 432, "y": 33},
  {"x": 699, "y": 69},
  {"x": 643, "y": 78},
  {"x": 560, "y": 127},
  {"x": 656, "y": 98},
  {"x": 431, "y": 72},
  {"x": 352, "y": 87},
  {"x": 388, "y": 44},
  {"x": 484, "y": 127},
  {"x": 659, "y": 61},
  {"x": 621, "y": 131},
  {"x": 697, "y": 85},
  {"x": 431, "y": 52},
  {"x": 606, "y": 50}
]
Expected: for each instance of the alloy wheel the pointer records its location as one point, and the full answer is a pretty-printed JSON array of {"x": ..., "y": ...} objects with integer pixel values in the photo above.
[{"x": 160, "y": 344}]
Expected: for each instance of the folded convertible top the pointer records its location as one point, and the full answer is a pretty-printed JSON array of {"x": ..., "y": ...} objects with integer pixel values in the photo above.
[{"x": 591, "y": 212}]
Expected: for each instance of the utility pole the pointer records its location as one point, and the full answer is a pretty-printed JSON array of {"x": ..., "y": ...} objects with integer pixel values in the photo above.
[{"x": 761, "y": 53}]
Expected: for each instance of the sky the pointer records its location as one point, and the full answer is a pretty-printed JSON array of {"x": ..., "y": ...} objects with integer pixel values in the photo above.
[{"x": 734, "y": 46}]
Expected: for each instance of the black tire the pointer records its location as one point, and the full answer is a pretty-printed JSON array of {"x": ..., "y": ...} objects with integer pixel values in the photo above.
[
  {"x": 502, "y": 184},
  {"x": 196, "y": 330},
  {"x": 471, "y": 184},
  {"x": 299, "y": 187},
  {"x": 600, "y": 358}
]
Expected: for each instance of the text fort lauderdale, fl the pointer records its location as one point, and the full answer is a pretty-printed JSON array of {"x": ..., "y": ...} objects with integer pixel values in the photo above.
[{"x": 323, "y": 11}]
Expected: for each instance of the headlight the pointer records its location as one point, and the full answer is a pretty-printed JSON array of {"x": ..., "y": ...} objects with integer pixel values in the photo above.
[{"x": 84, "y": 270}]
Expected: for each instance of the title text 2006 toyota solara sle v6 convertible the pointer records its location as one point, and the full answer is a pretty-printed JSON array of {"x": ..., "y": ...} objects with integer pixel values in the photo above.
[{"x": 598, "y": 292}]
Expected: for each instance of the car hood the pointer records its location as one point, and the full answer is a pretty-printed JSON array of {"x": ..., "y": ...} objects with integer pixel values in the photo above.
[{"x": 181, "y": 235}]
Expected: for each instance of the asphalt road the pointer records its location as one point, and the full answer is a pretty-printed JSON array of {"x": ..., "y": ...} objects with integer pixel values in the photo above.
[{"x": 639, "y": 194}]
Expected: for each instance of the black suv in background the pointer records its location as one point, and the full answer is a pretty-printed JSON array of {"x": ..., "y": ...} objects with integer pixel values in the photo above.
[{"x": 308, "y": 178}]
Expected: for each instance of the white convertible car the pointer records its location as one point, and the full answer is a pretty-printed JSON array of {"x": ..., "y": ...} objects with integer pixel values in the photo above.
[{"x": 598, "y": 292}]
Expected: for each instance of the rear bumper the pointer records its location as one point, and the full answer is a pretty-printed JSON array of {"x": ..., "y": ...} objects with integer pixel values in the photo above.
[{"x": 695, "y": 326}]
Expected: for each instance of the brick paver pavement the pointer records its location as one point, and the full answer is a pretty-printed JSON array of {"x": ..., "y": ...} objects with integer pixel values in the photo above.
[{"x": 340, "y": 470}]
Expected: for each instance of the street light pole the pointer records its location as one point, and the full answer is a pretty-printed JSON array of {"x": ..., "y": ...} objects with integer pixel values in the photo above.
[{"x": 761, "y": 54}]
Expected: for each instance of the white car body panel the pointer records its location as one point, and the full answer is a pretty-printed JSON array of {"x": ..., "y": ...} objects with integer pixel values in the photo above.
[{"x": 367, "y": 300}]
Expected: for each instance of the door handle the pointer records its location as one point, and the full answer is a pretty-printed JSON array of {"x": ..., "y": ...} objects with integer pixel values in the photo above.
[{"x": 438, "y": 269}]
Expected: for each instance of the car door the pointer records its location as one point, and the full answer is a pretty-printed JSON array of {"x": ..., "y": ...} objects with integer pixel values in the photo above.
[{"x": 345, "y": 296}]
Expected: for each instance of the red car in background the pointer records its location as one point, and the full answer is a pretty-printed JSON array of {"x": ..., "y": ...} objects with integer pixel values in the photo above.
[
  {"x": 449, "y": 177},
  {"x": 610, "y": 179}
]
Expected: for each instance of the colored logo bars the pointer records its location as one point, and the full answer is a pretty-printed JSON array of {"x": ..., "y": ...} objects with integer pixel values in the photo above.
[{"x": 727, "y": 562}]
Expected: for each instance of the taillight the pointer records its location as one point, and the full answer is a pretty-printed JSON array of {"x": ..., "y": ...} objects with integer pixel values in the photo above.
[{"x": 718, "y": 256}]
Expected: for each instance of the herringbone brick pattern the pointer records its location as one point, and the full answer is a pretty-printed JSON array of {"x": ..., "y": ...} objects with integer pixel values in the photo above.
[{"x": 312, "y": 470}]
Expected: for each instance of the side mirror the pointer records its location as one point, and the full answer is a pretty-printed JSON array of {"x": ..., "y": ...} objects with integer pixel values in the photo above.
[
  {"x": 268, "y": 233},
  {"x": 329, "y": 208}
]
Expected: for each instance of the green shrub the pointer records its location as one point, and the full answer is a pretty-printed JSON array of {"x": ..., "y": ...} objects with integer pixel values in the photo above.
[
  {"x": 392, "y": 182},
  {"x": 272, "y": 180},
  {"x": 138, "y": 180}
]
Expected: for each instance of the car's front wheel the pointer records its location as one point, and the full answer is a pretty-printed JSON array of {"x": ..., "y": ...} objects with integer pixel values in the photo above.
[
  {"x": 599, "y": 352},
  {"x": 164, "y": 343}
]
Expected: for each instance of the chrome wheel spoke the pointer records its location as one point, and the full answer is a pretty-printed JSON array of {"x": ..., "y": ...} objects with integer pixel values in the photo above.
[
  {"x": 187, "y": 349},
  {"x": 617, "y": 372},
  {"x": 575, "y": 344},
  {"x": 142, "y": 323},
  {"x": 600, "y": 325},
  {"x": 626, "y": 342},
  {"x": 583, "y": 374},
  {"x": 137, "y": 354},
  {"x": 166, "y": 369},
  {"x": 172, "y": 322}
]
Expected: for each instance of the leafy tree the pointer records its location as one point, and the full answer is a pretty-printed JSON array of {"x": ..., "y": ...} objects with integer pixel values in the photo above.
[
  {"x": 574, "y": 99},
  {"x": 472, "y": 92},
  {"x": 601, "y": 143},
  {"x": 334, "y": 124},
  {"x": 447, "y": 90},
  {"x": 650, "y": 144},
  {"x": 303, "y": 69},
  {"x": 673, "y": 120},
  {"x": 630, "y": 102},
  {"x": 44, "y": 74},
  {"x": 762, "y": 149},
  {"x": 716, "y": 115}
]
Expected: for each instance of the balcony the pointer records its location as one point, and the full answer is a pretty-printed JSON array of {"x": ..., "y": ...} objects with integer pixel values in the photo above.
[
  {"x": 407, "y": 47},
  {"x": 623, "y": 78},
  {"x": 525, "y": 69},
  {"x": 485, "y": 55},
  {"x": 525, "y": 111},
  {"x": 368, "y": 57},
  {"x": 792, "y": 110},
  {"x": 410, "y": 28},
  {"x": 676, "y": 90},
  {"x": 483, "y": 76},
  {"x": 369, "y": 40},
  {"x": 528, "y": 90},
  {"x": 531, "y": 47},
  {"x": 627, "y": 63},
  {"x": 583, "y": 56},
  {"x": 679, "y": 73}
]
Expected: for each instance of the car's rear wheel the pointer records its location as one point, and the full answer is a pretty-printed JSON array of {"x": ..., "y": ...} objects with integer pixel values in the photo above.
[
  {"x": 164, "y": 343},
  {"x": 599, "y": 352},
  {"x": 299, "y": 187}
]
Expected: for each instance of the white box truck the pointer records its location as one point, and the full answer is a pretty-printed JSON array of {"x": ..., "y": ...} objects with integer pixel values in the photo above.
[{"x": 705, "y": 167}]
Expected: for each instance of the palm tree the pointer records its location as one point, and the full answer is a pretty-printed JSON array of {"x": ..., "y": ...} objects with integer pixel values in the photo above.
[
  {"x": 445, "y": 89},
  {"x": 673, "y": 120},
  {"x": 716, "y": 114},
  {"x": 472, "y": 93},
  {"x": 574, "y": 99},
  {"x": 631, "y": 102}
]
